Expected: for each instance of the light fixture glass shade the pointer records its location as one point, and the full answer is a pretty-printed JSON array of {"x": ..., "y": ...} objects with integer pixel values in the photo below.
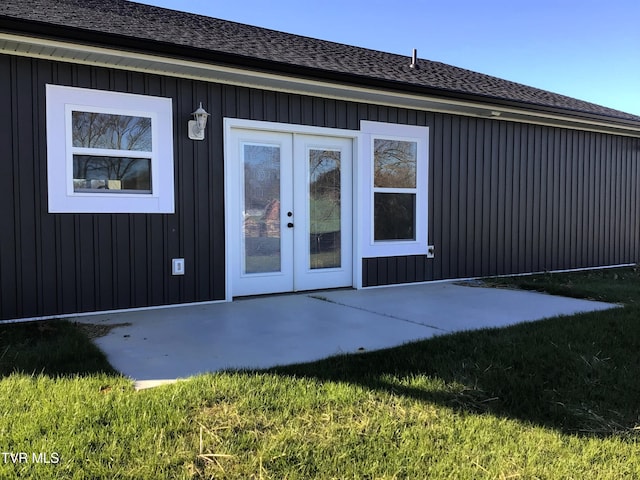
[{"x": 197, "y": 126}]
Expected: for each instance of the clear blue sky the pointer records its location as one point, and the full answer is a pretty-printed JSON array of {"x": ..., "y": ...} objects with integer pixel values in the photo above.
[{"x": 587, "y": 49}]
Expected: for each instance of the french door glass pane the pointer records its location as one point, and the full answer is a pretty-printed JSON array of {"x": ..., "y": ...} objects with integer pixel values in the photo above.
[
  {"x": 324, "y": 209},
  {"x": 394, "y": 216},
  {"x": 261, "y": 226}
]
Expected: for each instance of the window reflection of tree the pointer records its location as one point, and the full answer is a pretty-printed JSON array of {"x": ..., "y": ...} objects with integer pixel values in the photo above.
[
  {"x": 324, "y": 197},
  {"x": 394, "y": 164},
  {"x": 262, "y": 203},
  {"x": 261, "y": 175},
  {"x": 324, "y": 175},
  {"x": 113, "y": 132},
  {"x": 133, "y": 172}
]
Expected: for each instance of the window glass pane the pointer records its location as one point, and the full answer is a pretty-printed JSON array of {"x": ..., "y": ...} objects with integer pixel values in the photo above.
[
  {"x": 115, "y": 132},
  {"x": 114, "y": 174},
  {"x": 394, "y": 216},
  {"x": 261, "y": 226},
  {"x": 394, "y": 163},
  {"x": 324, "y": 209}
]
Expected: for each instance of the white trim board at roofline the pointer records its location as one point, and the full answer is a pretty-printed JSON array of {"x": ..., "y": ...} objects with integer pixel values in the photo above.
[{"x": 55, "y": 50}]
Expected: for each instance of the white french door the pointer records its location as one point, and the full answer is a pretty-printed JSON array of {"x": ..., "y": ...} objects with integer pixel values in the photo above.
[{"x": 291, "y": 211}]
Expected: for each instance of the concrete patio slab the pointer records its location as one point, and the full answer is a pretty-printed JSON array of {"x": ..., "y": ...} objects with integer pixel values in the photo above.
[
  {"x": 456, "y": 306},
  {"x": 155, "y": 346}
]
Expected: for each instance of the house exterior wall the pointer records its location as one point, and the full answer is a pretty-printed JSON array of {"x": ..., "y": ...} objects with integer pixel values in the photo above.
[{"x": 503, "y": 198}]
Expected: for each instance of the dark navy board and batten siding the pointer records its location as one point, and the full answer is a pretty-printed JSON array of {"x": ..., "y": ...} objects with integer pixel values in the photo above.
[{"x": 503, "y": 198}]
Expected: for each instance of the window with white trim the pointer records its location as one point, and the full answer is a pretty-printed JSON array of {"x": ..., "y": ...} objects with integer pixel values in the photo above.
[
  {"x": 109, "y": 152},
  {"x": 394, "y": 186}
]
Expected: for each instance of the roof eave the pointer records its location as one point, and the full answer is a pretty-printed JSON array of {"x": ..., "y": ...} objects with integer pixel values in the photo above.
[{"x": 485, "y": 106}]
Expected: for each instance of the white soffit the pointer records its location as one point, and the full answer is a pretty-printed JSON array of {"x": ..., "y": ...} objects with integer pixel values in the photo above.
[{"x": 112, "y": 58}]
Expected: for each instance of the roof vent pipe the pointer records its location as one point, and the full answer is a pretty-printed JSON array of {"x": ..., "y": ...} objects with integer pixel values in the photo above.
[{"x": 414, "y": 59}]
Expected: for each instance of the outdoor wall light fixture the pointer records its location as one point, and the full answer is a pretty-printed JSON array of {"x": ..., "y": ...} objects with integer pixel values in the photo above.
[{"x": 197, "y": 126}]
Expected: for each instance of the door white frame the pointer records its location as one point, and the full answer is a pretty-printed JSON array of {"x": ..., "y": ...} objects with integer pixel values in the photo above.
[{"x": 231, "y": 243}]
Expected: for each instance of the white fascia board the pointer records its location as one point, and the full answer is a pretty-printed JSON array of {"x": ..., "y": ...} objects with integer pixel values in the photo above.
[{"x": 32, "y": 47}]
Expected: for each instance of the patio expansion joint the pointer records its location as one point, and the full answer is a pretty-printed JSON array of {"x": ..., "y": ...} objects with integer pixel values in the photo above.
[{"x": 381, "y": 314}]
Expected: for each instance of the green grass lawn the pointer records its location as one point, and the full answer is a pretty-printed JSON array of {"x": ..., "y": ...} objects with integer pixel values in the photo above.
[{"x": 558, "y": 398}]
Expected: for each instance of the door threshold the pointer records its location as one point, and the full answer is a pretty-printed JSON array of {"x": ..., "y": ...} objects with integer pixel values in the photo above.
[{"x": 283, "y": 294}]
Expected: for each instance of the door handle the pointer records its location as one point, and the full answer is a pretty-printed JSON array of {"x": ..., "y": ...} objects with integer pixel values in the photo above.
[{"x": 290, "y": 225}]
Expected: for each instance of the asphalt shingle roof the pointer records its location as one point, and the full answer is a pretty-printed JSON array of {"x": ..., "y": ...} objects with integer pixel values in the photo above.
[{"x": 129, "y": 20}]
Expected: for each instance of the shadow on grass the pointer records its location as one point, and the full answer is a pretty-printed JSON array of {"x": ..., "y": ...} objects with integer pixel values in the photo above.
[
  {"x": 577, "y": 374},
  {"x": 55, "y": 348}
]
